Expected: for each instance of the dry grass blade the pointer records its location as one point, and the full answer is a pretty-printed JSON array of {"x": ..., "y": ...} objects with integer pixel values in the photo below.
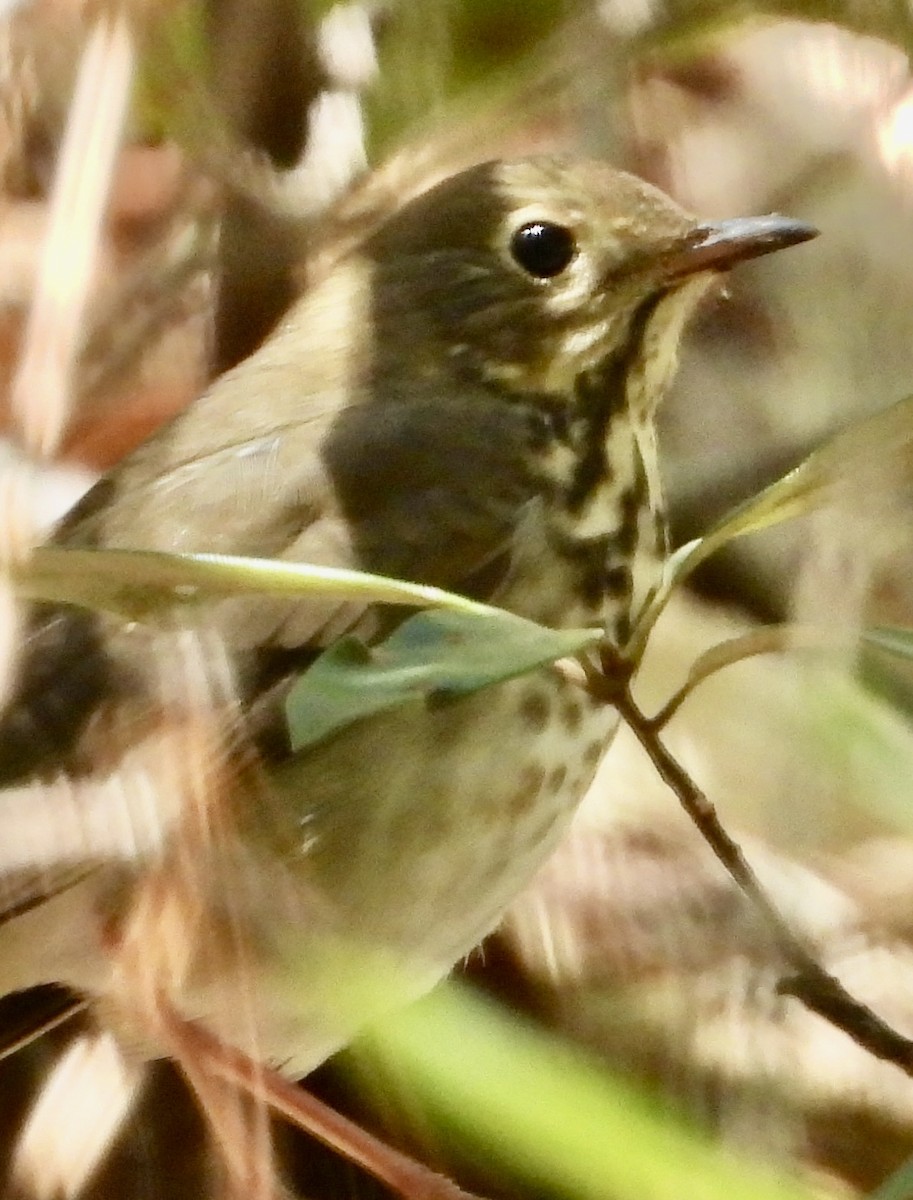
[
  {"x": 43, "y": 384},
  {"x": 184, "y": 920},
  {"x": 167, "y": 283},
  {"x": 193, "y": 1043}
]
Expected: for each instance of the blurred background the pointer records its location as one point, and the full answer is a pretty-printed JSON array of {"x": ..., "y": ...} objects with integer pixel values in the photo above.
[{"x": 166, "y": 171}]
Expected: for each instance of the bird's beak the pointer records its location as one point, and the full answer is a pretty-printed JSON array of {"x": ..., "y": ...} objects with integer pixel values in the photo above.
[{"x": 722, "y": 244}]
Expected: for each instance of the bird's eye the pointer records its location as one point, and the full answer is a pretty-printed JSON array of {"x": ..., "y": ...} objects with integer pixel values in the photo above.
[{"x": 542, "y": 248}]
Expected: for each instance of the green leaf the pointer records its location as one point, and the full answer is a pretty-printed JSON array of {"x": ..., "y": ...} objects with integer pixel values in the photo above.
[
  {"x": 855, "y": 458},
  {"x": 549, "y": 1115},
  {"x": 137, "y": 584},
  {"x": 894, "y": 639},
  {"x": 767, "y": 639},
  {"x": 446, "y": 653}
]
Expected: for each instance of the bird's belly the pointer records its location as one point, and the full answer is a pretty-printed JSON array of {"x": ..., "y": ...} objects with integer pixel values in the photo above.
[
  {"x": 417, "y": 830},
  {"x": 395, "y": 848}
]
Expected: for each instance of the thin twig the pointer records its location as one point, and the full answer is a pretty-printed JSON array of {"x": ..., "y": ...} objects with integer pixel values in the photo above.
[
  {"x": 404, "y": 1175},
  {"x": 815, "y": 988}
]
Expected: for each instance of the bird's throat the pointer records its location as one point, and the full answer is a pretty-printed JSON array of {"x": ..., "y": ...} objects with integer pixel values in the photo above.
[{"x": 598, "y": 463}]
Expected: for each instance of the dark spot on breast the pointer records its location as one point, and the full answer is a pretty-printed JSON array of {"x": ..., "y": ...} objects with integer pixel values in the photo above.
[
  {"x": 592, "y": 471},
  {"x": 592, "y": 585},
  {"x": 535, "y": 710},
  {"x": 559, "y": 424},
  {"x": 592, "y": 754},
  {"x": 618, "y": 580},
  {"x": 622, "y": 628},
  {"x": 588, "y": 557},
  {"x": 599, "y": 395},
  {"x": 632, "y": 501},
  {"x": 539, "y": 426},
  {"x": 572, "y": 715},
  {"x": 586, "y": 549},
  {"x": 548, "y": 420},
  {"x": 527, "y": 791},
  {"x": 556, "y": 779}
]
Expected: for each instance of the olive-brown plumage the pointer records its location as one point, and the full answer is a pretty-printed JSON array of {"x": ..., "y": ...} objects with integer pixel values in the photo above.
[{"x": 465, "y": 400}]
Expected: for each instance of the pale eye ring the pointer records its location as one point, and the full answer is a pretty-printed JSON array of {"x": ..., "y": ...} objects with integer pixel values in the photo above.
[{"x": 543, "y": 248}]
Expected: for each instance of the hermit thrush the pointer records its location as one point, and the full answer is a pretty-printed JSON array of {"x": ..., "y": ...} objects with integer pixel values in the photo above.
[{"x": 465, "y": 399}]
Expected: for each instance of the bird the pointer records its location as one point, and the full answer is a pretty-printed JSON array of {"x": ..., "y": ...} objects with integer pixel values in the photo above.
[{"x": 466, "y": 398}]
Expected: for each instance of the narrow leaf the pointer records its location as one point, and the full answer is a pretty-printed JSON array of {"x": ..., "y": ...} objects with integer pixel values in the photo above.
[
  {"x": 769, "y": 639},
  {"x": 854, "y": 458},
  {"x": 550, "y": 1115},
  {"x": 137, "y": 584},
  {"x": 894, "y": 639}
]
